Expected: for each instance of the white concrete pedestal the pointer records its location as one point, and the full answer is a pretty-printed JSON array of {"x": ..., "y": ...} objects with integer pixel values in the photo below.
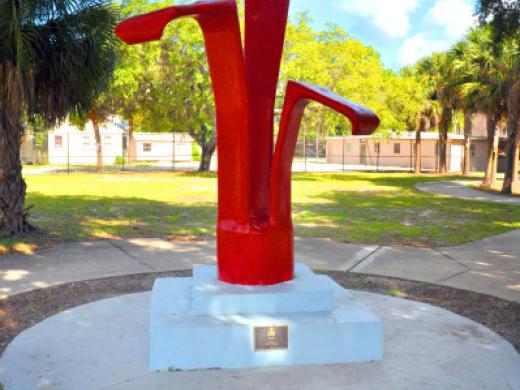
[{"x": 201, "y": 322}]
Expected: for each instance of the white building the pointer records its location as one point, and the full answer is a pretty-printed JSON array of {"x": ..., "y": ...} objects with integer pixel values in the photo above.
[
  {"x": 162, "y": 147},
  {"x": 68, "y": 144}
]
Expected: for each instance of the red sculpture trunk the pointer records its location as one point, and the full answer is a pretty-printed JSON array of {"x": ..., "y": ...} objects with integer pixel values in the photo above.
[{"x": 255, "y": 239}]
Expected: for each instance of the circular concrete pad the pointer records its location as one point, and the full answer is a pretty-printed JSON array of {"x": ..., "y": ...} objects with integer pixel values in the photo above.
[{"x": 104, "y": 345}]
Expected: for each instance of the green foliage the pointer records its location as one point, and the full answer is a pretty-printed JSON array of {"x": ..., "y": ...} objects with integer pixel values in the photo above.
[
  {"x": 336, "y": 61},
  {"x": 503, "y": 16},
  {"x": 165, "y": 86},
  {"x": 120, "y": 160},
  {"x": 195, "y": 152},
  {"x": 55, "y": 56}
]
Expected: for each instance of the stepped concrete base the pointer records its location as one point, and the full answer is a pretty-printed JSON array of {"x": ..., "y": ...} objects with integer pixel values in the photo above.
[
  {"x": 201, "y": 322},
  {"x": 104, "y": 345}
]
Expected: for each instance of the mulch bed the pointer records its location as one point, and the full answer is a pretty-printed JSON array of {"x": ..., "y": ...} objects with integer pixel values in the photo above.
[{"x": 21, "y": 311}]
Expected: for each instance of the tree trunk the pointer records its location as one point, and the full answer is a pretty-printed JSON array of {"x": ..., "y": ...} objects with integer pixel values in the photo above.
[
  {"x": 99, "y": 146},
  {"x": 444, "y": 126},
  {"x": 516, "y": 161},
  {"x": 513, "y": 122},
  {"x": 12, "y": 185},
  {"x": 492, "y": 155},
  {"x": 131, "y": 141},
  {"x": 418, "y": 152},
  {"x": 208, "y": 149},
  {"x": 317, "y": 144},
  {"x": 467, "y": 144}
]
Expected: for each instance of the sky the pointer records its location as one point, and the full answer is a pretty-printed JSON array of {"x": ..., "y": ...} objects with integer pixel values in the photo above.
[{"x": 402, "y": 31}]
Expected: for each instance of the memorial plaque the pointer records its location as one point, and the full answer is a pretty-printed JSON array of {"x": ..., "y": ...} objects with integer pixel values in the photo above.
[{"x": 269, "y": 338}]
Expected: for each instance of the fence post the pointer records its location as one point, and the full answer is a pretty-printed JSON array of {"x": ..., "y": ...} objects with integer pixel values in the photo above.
[
  {"x": 173, "y": 152},
  {"x": 378, "y": 154},
  {"x": 68, "y": 154},
  {"x": 343, "y": 155},
  {"x": 411, "y": 156},
  {"x": 123, "y": 152},
  {"x": 305, "y": 152}
]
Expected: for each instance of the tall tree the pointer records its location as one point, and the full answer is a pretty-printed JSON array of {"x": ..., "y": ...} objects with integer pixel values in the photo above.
[
  {"x": 424, "y": 112},
  {"x": 462, "y": 72},
  {"x": 481, "y": 84},
  {"x": 165, "y": 86},
  {"x": 55, "y": 56},
  {"x": 436, "y": 69},
  {"x": 511, "y": 62},
  {"x": 131, "y": 90},
  {"x": 503, "y": 16},
  {"x": 334, "y": 59}
]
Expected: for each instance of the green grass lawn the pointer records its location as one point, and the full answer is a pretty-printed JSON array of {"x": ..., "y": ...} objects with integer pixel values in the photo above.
[{"x": 366, "y": 208}]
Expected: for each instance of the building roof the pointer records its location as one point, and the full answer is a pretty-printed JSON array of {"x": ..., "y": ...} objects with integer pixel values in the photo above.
[
  {"x": 162, "y": 137},
  {"x": 403, "y": 136}
]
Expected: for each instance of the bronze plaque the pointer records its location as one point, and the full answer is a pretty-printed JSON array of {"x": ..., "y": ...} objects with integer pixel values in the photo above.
[{"x": 271, "y": 337}]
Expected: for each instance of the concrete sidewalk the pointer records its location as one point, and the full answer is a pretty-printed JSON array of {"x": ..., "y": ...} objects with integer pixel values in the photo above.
[
  {"x": 490, "y": 266},
  {"x": 463, "y": 190}
]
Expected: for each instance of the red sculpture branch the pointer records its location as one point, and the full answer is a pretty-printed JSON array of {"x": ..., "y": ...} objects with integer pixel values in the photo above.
[
  {"x": 264, "y": 37},
  {"x": 221, "y": 30},
  {"x": 297, "y": 97},
  {"x": 255, "y": 232}
]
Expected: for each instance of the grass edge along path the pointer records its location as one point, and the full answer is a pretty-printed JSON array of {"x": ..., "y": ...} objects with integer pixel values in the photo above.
[{"x": 362, "y": 208}]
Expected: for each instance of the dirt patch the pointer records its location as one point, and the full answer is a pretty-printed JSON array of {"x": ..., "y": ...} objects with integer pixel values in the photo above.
[{"x": 21, "y": 311}]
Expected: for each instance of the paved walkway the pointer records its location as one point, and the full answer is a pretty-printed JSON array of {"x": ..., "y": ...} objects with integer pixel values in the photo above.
[
  {"x": 104, "y": 346},
  {"x": 490, "y": 266},
  {"x": 463, "y": 190}
]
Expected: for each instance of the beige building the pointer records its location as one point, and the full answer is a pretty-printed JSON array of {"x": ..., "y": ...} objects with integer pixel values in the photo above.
[{"x": 398, "y": 151}]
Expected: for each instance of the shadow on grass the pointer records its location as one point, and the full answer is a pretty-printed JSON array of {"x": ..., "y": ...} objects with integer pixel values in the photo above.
[
  {"x": 390, "y": 212},
  {"x": 73, "y": 218},
  {"x": 402, "y": 216},
  {"x": 380, "y": 178}
]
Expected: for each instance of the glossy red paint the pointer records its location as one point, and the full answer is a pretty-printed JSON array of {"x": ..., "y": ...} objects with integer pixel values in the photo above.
[{"x": 255, "y": 239}]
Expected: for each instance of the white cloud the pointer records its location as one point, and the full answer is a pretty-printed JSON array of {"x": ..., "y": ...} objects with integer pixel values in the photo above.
[
  {"x": 419, "y": 46},
  {"x": 392, "y": 17},
  {"x": 445, "y": 22},
  {"x": 454, "y": 17}
]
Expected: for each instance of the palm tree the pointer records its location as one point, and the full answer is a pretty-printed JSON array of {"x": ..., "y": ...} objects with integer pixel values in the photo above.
[
  {"x": 481, "y": 87},
  {"x": 55, "y": 56},
  {"x": 436, "y": 69},
  {"x": 503, "y": 21},
  {"x": 462, "y": 73},
  {"x": 510, "y": 65},
  {"x": 426, "y": 119}
]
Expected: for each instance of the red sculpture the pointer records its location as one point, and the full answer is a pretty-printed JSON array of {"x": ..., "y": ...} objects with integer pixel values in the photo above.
[{"x": 255, "y": 240}]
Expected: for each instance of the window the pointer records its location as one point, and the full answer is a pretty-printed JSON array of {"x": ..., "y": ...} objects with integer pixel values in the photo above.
[
  {"x": 397, "y": 148},
  {"x": 147, "y": 147},
  {"x": 58, "y": 141},
  {"x": 348, "y": 148},
  {"x": 473, "y": 150}
]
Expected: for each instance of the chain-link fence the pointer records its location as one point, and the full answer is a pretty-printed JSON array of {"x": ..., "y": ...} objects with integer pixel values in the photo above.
[{"x": 78, "y": 151}]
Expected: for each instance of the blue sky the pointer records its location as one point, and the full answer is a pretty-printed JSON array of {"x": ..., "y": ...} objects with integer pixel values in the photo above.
[{"x": 402, "y": 31}]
